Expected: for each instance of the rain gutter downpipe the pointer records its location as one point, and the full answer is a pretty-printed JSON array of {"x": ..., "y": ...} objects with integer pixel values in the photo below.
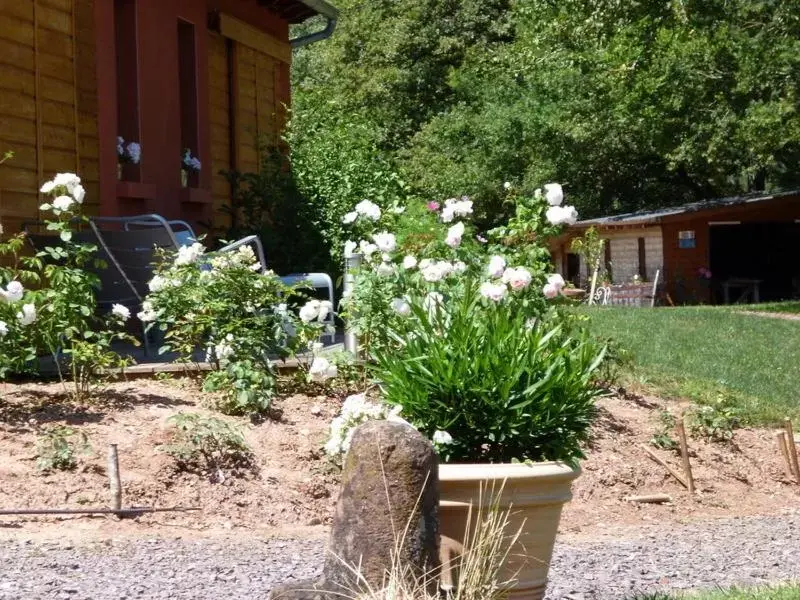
[{"x": 330, "y": 13}]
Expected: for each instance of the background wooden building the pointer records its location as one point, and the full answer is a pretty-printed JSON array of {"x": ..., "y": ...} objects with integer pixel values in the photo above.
[
  {"x": 746, "y": 246},
  {"x": 209, "y": 75}
]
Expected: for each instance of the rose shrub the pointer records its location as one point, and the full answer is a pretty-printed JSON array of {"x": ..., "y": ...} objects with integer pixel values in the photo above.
[{"x": 226, "y": 303}]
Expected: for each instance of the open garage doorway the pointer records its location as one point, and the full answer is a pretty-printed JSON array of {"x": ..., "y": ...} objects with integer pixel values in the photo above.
[{"x": 766, "y": 254}]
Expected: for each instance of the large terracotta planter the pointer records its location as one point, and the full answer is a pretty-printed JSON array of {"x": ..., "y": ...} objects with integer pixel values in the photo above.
[{"x": 535, "y": 494}]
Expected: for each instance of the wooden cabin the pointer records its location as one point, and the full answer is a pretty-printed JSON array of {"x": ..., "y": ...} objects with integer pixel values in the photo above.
[
  {"x": 742, "y": 249},
  {"x": 208, "y": 75}
]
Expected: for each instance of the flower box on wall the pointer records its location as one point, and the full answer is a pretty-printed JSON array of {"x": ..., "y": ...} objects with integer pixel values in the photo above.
[
  {"x": 191, "y": 195},
  {"x": 136, "y": 190}
]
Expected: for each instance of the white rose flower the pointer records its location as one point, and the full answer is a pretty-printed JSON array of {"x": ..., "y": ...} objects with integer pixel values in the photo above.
[
  {"x": 28, "y": 315},
  {"x": 123, "y": 312},
  {"x": 493, "y": 291},
  {"x": 507, "y": 185},
  {"x": 497, "y": 265},
  {"x": 321, "y": 369},
  {"x": 189, "y": 254},
  {"x": 537, "y": 193},
  {"x": 459, "y": 266},
  {"x": 385, "y": 269},
  {"x": 147, "y": 313},
  {"x": 3, "y": 329},
  {"x": 448, "y": 214},
  {"x": 367, "y": 249},
  {"x": 350, "y": 217},
  {"x": 409, "y": 262},
  {"x": 425, "y": 263},
  {"x": 562, "y": 215},
  {"x": 550, "y": 291},
  {"x": 350, "y": 248},
  {"x": 401, "y": 307},
  {"x": 518, "y": 278},
  {"x": 310, "y": 311},
  {"x": 454, "y": 235},
  {"x": 48, "y": 187},
  {"x": 157, "y": 283},
  {"x": 368, "y": 209},
  {"x": 557, "y": 280},
  {"x": 385, "y": 242},
  {"x": 79, "y": 193},
  {"x": 432, "y": 273},
  {"x": 442, "y": 438},
  {"x": 68, "y": 180},
  {"x": 14, "y": 291},
  {"x": 62, "y": 203},
  {"x": 554, "y": 194},
  {"x": 224, "y": 349},
  {"x": 325, "y": 308}
]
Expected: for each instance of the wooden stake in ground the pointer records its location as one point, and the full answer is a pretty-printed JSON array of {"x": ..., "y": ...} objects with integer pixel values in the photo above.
[
  {"x": 787, "y": 424},
  {"x": 650, "y": 499},
  {"x": 687, "y": 466},
  {"x": 783, "y": 448},
  {"x": 113, "y": 477},
  {"x": 658, "y": 459}
]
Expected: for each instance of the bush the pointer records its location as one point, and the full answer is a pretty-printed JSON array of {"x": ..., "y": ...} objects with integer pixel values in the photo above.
[
  {"x": 502, "y": 388},
  {"x": 467, "y": 338},
  {"x": 59, "y": 317},
  {"x": 206, "y": 445},
  {"x": 58, "y": 446},
  {"x": 224, "y": 303}
]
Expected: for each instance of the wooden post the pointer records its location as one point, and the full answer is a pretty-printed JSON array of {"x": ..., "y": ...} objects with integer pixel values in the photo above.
[
  {"x": 687, "y": 466},
  {"x": 669, "y": 469},
  {"x": 113, "y": 477},
  {"x": 783, "y": 448},
  {"x": 787, "y": 424},
  {"x": 594, "y": 281}
]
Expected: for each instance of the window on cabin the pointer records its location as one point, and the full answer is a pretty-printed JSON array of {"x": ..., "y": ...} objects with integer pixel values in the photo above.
[
  {"x": 127, "y": 89},
  {"x": 187, "y": 81}
]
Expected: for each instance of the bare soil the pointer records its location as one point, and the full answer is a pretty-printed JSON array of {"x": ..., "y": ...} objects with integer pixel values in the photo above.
[{"x": 293, "y": 492}]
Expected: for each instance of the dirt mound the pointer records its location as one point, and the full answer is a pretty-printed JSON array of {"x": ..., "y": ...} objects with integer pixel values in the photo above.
[{"x": 294, "y": 490}]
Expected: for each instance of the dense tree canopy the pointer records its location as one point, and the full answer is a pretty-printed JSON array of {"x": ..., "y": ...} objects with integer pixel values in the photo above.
[{"x": 629, "y": 103}]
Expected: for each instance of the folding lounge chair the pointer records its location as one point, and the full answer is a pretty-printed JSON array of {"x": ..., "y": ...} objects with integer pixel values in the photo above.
[
  {"x": 184, "y": 234},
  {"x": 126, "y": 263}
]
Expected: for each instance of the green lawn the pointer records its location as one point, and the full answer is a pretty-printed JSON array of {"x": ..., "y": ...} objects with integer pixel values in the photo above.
[
  {"x": 700, "y": 352},
  {"x": 791, "y": 306},
  {"x": 790, "y": 592}
]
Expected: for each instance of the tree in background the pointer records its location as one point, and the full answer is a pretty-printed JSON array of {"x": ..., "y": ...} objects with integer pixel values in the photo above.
[{"x": 631, "y": 104}]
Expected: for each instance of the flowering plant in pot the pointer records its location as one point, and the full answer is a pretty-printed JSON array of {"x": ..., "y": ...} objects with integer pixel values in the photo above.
[
  {"x": 130, "y": 153},
  {"x": 189, "y": 165},
  {"x": 467, "y": 343}
]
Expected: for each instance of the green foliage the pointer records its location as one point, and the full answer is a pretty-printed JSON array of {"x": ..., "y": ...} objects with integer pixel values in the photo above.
[
  {"x": 59, "y": 317},
  {"x": 224, "y": 303},
  {"x": 503, "y": 388},
  {"x": 662, "y": 437},
  {"x": 209, "y": 446},
  {"x": 247, "y": 387},
  {"x": 716, "y": 421},
  {"x": 268, "y": 204},
  {"x": 590, "y": 246},
  {"x": 58, "y": 447},
  {"x": 464, "y": 344},
  {"x": 631, "y": 104}
]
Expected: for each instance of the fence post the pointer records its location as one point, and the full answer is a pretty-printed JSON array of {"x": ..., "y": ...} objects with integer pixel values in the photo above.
[{"x": 351, "y": 263}]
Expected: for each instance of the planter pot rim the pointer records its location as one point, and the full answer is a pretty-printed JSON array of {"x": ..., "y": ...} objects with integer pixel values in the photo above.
[{"x": 483, "y": 471}]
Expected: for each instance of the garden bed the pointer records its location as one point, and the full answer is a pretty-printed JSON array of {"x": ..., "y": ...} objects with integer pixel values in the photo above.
[{"x": 294, "y": 491}]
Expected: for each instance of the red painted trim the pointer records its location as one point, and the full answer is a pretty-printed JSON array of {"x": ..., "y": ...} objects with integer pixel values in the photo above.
[{"x": 106, "y": 106}]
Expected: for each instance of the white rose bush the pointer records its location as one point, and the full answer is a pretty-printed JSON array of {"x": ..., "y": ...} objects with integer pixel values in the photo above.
[
  {"x": 228, "y": 304},
  {"x": 48, "y": 301},
  {"x": 464, "y": 332}
]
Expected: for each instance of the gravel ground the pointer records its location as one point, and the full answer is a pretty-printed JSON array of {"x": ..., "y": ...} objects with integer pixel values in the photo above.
[{"x": 748, "y": 551}]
